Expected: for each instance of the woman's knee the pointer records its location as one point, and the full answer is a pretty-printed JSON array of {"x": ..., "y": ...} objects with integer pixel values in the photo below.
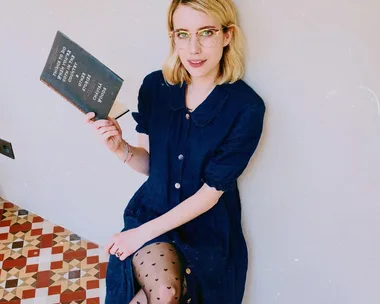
[{"x": 167, "y": 294}]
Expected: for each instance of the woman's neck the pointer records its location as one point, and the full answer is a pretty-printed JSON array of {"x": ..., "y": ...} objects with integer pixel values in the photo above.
[
  {"x": 199, "y": 89},
  {"x": 205, "y": 83}
]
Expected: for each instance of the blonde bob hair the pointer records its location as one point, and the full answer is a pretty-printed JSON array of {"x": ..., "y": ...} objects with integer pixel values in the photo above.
[{"x": 232, "y": 61}]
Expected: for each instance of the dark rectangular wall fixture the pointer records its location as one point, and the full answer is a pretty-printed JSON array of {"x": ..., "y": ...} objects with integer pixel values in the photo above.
[{"x": 6, "y": 148}]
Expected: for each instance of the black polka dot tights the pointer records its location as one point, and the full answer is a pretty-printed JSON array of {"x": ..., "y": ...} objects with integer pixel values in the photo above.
[{"x": 161, "y": 277}]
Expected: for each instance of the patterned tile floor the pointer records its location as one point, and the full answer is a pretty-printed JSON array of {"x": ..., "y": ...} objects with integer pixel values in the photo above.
[{"x": 44, "y": 263}]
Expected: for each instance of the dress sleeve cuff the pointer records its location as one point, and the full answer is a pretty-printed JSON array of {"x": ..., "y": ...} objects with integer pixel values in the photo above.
[
  {"x": 142, "y": 123},
  {"x": 220, "y": 185}
]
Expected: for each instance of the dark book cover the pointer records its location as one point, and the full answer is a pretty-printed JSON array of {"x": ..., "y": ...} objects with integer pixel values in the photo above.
[{"x": 81, "y": 78}]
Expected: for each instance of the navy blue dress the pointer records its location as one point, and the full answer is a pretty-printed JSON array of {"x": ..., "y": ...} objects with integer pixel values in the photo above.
[{"x": 212, "y": 145}]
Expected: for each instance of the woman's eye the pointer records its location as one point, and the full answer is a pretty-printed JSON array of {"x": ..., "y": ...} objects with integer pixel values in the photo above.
[
  {"x": 182, "y": 35},
  {"x": 206, "y": 33}
]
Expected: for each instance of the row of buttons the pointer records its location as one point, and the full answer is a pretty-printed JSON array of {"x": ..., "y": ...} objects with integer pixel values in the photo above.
[
  {"x": 178, "y": 185},
  {"x": 188, "y": 271},
  {"x": 181, "y": 157}
]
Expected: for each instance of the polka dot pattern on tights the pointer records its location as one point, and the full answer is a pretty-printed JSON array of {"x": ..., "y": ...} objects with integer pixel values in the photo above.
[{"x": 156, "y": 266}]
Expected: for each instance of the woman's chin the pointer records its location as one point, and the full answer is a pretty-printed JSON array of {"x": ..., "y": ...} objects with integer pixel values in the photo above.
[{"x": 196, "y": 72}]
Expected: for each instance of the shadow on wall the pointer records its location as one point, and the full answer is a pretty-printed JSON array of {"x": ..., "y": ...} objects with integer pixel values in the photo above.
[
  {"x": 247, "y": 174},
  {"x": 259, "y": 150}
]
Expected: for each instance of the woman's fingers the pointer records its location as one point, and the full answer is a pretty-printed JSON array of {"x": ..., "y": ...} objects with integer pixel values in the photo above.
[
  {"x": 88, "y": 117},
  {"x": 103, "y": 130},
  {"x": 101, "y": 123},
  {"x": 114, "y": 249},
  {"x": 110, "y": 134},
  {"x": 123, "y": 256},
  {"x": 105, "y": 127},
  {"x": 115, "y": 123},
  {"x": 108, "y": 246},
  {"x": 122, "y": 252},
  {"x": 117, "y": 246}
]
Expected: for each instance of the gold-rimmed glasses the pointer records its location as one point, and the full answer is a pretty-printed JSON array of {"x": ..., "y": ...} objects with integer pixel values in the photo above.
[{"x": 207, "y": 37}]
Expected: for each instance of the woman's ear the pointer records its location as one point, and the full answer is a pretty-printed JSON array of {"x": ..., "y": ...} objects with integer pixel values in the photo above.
[{"x": 227, "y": 36}]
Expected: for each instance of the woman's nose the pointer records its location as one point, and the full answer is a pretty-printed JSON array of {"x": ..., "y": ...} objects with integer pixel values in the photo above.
[{"x": 194, "y": 45}]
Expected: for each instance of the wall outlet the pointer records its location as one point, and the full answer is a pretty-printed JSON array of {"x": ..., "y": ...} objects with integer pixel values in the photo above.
[{"x": 6, "y": 148}]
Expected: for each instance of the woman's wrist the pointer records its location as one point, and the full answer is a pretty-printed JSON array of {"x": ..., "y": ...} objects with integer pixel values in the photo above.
[
  {"x": 124, "y": 152},
  {"x": 146, "y": 232},
  {"x": 121, "y": 152}
]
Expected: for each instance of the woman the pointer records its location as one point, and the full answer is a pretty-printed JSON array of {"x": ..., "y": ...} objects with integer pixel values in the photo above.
[{"x": 198, "y": 125}]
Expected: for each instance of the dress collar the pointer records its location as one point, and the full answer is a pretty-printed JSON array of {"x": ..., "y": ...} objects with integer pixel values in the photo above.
[{"x": 207, "y": 110}]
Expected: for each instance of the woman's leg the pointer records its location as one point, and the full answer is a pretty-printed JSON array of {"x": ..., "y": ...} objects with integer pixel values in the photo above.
[
  {"x": 140, "y": 298},
  {"x": 158, "y": 270}
]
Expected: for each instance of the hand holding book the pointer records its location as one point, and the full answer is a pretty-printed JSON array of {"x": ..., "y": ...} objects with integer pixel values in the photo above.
[{"x": 108, "y": 130}]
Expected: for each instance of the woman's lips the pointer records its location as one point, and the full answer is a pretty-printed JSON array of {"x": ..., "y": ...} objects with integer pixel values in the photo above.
[{"x": 196, "y": 63}]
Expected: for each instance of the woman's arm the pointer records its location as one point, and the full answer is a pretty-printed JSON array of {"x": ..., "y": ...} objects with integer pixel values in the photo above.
[
  {"x": 203, "y": 200},
  {"x": 111, "y": 134},
  {"x": 130, "y": 240},
  {"x": 140, "y": 159}
]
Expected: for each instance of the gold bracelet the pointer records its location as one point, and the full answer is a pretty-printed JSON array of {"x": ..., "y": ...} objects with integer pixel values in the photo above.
[{"x": 129, "y": 154}]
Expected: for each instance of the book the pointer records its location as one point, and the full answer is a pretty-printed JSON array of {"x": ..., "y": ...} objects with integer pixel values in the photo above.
[{"x": 82, "y": 79}]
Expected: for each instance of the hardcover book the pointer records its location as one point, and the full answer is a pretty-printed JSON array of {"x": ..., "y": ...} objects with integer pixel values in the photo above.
[{"x": 82, "y": 79}]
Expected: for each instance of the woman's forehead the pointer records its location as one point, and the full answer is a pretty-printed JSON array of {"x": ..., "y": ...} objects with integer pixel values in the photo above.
[{"x": 190, "y": 19}]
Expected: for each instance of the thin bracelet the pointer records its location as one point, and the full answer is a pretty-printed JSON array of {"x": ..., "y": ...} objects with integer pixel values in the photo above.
[{"x": 129, "y": 154}]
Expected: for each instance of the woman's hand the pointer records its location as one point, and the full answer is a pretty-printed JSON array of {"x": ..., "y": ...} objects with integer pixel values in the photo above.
[
  {"x": 125, "y": 243},
  {"x": 108, "y": 130}
]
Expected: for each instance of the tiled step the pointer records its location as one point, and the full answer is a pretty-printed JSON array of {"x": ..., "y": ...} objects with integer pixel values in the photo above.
[{"x": 44, "y": 263}]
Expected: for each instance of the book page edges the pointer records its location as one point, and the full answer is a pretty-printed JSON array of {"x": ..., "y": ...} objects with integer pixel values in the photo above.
[{"x": 118, "y": 109}]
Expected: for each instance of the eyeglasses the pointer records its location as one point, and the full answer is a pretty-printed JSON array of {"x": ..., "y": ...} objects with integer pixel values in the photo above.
[{"x": 206, "y": 37}]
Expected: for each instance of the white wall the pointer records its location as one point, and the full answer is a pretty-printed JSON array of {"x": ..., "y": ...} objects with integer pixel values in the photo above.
[{"x": 311, "y": 193}]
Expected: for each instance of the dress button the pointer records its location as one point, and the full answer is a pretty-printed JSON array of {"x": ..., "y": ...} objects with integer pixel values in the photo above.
[
  {"x": 187, "y": 116},
  {"x": 177, "y": 185},
  {"x": 180, "y": 157},
  {"x": 188, "y": 271},
  {"x": 189, "y": 300}
]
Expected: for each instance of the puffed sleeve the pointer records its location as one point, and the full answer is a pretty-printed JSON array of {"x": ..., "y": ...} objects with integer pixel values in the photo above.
[
  {"x": 233, "y": 155},
  {"x": 144, "y": 106}
]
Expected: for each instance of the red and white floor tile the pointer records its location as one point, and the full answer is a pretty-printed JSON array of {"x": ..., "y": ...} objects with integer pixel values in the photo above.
[{"x": 44, "y": 263}]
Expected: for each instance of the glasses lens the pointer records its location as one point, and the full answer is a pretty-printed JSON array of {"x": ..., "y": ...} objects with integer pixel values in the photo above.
[
  {"x": 181, "y": 39},
  {"x": 207, "y": 37}
]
